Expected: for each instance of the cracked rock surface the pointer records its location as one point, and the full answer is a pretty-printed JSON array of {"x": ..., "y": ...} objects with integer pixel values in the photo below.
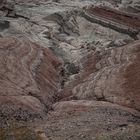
[{"x": 69, "y": 70}]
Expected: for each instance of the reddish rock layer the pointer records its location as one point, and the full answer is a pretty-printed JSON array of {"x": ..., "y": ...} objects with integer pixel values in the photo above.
[
  {"x": 108, "y": 75},
  {"x": 116, "y": 16},
  {"x": 29, "y": 78}
]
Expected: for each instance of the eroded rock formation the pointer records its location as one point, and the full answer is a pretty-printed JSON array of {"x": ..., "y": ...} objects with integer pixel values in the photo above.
[
  {"x": 69, "y": 70},
  {"x": 29, "y": 78},
  {"x": 106, "y": 76}
]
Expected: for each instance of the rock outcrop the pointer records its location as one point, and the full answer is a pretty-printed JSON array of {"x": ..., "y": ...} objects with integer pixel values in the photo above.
[
  {"x": 69, "y": 70},
  {"x": 110, "y": 75},
  {"x": 29, "y": 78}
]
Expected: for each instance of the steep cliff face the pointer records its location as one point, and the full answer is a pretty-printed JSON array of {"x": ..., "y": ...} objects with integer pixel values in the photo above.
[{"x": 69, "y": 70}]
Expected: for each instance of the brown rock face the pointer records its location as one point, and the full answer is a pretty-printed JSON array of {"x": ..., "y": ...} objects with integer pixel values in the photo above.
[
  {"x": 28, "y": 78},
  {"x": 116, "y": 16},
  {"x": 69, "y": 70},
  {"x": 109, "y": 75}
]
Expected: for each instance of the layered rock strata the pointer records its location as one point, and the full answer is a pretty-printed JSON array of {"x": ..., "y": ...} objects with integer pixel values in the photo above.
[
  {"x": 29, "y": 78},
  {"x": 69, "y": 70}
]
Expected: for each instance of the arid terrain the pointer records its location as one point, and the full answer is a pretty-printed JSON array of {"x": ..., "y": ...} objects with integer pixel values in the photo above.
[{"x": 69, "y": 70}]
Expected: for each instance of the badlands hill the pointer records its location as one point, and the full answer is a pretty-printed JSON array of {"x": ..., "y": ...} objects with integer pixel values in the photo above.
[{"x": 70, "y": 70}]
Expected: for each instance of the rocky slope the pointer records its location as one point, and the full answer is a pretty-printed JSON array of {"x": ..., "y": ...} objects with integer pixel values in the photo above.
[
  {"x": 69, "y": 70},
  {"x": 25, "y": 68}
]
